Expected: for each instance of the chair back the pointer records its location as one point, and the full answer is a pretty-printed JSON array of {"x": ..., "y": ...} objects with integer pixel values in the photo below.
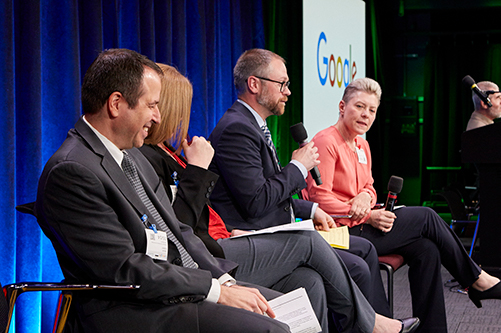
[{"x": 456, "y": 205}]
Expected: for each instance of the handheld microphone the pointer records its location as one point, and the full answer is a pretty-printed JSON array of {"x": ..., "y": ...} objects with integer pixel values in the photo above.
[
  {"x": 299, "y": 135},
  {"x": 470, "y": 83},
  {"x": 394, "y": 187}
]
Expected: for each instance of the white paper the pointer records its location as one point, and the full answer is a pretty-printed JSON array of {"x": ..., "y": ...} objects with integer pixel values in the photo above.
[
  {"x": 294, "y": 309},
  {"x": 303, "y": 225}
]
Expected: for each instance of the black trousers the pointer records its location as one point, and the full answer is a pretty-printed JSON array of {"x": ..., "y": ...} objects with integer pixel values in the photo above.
[{"x": 426, "y": 242}]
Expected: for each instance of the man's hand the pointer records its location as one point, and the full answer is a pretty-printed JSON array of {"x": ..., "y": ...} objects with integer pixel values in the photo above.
[
  {"x": 245, "y": 298},
  {"x": 382, "y": 219},
  {"x": 360, "y": 206},
  {"x": 238, "y": 232},
  {"x": 199, "y": 152},
  {"x": 322, "y": 220},
  {"x": 307, "y": 155}
]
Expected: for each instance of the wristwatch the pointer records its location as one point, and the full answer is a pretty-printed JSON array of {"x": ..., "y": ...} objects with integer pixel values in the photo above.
[{"x": 228, "y": 283}]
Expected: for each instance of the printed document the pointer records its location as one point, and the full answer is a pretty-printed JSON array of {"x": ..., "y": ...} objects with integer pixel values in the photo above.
[
  {"x": 337, "y": 237},
  {"x": 294, "y": 309},
  {"x": 303, "y": 225}
]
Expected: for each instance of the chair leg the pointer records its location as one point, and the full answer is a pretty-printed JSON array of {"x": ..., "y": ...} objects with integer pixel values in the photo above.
[
  {"x": 11, "y": 295},
  {"x": 389, "y": 274},
  {"x": 474, "y": 235},
  {"x": 62, "y": 310}
]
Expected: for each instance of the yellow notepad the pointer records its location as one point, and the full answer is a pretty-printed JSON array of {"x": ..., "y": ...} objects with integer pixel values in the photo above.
[{"x": 337, "y": 237}]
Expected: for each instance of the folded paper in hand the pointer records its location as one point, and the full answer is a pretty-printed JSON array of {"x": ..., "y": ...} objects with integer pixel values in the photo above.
[
  {"x": 295, "y": 310},
  {"x": 337, "y": 237}
]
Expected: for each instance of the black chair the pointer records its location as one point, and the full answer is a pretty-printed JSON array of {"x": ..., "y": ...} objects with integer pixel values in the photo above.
[
  {"x": 14, "y": 290},
  {"x": 460, "y": 213},
  {"x": 390, "y": 263}
]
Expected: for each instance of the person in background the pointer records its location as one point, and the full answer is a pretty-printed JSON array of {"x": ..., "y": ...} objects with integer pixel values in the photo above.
[
  {"x": 283, "y": 261},
  {"x": 483, "y": 114},
  {"x": 417, "y": 233}
]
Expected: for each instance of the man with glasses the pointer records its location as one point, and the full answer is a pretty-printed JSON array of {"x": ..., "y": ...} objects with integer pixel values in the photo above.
[
  {"x": 484, "y": 114},
  {"x": 254, "y": 191}
]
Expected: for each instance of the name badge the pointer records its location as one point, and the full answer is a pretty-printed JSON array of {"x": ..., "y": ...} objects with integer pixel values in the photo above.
[
  {"x": 361, "y": 156},
  {"x": 173, "y": 189},
  {"x": 156, "y": 244}
]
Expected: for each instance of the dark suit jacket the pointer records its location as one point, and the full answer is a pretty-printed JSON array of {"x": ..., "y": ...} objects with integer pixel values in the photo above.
[
  {"x": 194, "y": 189},
  {"x": 91, "y": 213},
  {"x": 251, "y": 193}
]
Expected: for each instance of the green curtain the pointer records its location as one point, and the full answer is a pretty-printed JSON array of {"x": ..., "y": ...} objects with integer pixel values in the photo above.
[
  {"x": 283, "y": 23},
  {"x": 375, "y": 69},
  {"x": 447, "y": 102}
]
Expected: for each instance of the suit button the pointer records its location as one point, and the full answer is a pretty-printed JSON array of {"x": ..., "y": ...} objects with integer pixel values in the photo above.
[
  {"x": 207, "y": 195},
  {"x": 178, "y": 262},
  {"x": 212, "y": 183},
  {"x": 210, "y": 188},
  {"x": 287, "y": 208}
]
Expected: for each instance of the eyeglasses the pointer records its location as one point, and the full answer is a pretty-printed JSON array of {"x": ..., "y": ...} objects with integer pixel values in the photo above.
[
  {"x": 282, "y": 84},
  {"x": 490, "y": 92}
]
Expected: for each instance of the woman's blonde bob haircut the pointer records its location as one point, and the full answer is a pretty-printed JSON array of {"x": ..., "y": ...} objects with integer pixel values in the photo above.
[{"x": 175, "y": 108}]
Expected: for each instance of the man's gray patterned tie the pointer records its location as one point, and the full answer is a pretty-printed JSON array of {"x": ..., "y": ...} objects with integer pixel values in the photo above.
[
  {"x": 130, "y": 171},
  {"x": 269, "y": 141}
]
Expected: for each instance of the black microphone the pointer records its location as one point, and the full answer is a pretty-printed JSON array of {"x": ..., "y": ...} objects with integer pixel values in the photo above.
[
  {"x": 299, "y": 135},
  {"x": 470, "y": 83},
  {"x": 394, "y": 187}
]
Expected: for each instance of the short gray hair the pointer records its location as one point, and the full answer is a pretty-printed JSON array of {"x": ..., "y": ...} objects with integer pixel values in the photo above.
[
  {"x": 366, "y": 85},
  {"x": 483, "y": 85},
  {"x": 252, "y": 62}
]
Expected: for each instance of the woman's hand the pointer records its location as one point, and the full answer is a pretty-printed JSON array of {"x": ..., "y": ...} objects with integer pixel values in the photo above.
[
  {"x": 360, "y": 206},
  {"x": 199, "y": 152},
  {"x": 382, "y": 219}
]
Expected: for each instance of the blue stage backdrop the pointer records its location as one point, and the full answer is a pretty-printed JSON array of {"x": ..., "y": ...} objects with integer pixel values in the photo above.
[{"x": 45, "y": 48}]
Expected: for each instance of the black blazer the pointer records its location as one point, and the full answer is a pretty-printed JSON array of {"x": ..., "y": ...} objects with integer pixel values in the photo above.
[
  {"x": 91, "y": 214},
  {"x": 251, "y": 193},
  {"x": 194, "y": 189}
]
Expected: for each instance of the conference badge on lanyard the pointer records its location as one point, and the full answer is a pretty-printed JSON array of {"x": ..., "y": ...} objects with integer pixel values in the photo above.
[{"x": 362, "y": 158}]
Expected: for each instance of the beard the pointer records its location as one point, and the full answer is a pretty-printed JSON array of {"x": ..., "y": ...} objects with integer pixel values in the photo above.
[{"x": 264, "y": 99}]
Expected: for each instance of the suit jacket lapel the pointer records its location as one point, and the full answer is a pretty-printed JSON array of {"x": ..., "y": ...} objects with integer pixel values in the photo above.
[
  {"x": 237, "y": 106},
  {"x": 111, "y": 167}
]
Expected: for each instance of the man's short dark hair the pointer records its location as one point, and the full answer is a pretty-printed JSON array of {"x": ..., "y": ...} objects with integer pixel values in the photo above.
[{"x": 115, "y": 70}]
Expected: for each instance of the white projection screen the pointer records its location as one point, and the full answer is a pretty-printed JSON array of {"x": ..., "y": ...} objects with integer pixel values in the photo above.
[{"x": 333, "y": 55}]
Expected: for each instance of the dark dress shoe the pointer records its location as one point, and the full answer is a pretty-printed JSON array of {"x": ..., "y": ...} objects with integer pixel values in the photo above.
[
  {"x": 492, "y": 293},
  {"x": 409, "y": 324}
]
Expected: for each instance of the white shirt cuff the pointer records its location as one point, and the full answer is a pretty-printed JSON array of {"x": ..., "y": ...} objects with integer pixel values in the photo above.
[
  {"x": 301, "y": 168},
  {"x": 313, "y": 210},
  {"x": 215, "y": 289},
  {"x": 214, "y": 292}
]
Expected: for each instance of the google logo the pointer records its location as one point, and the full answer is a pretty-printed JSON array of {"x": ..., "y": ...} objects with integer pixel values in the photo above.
[{"x": 339, "y": 71}]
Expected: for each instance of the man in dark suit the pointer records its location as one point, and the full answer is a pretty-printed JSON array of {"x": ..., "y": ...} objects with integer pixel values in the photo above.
[
  {"x": 104, "y": 209},
  {"x": 254, "y": 191}
]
